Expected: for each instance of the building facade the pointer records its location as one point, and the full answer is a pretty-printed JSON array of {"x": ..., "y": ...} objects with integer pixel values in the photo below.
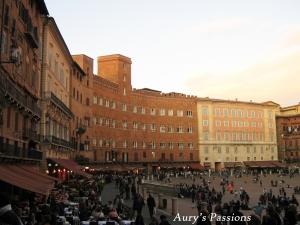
[
  {"x": 20, "y": 55},
  {"x": 137, "y": 126},
  {"x": 81, "y": 101},
  {"x": 57, "y": 65},
  {"x": 232, "y": 132},
  {"x": 288, "y": 133}
]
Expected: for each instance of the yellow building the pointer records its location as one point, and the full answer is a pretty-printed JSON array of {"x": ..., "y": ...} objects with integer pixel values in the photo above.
[
  {"x": 55, "y": 92},
  {"x": 232, "y": 132}
]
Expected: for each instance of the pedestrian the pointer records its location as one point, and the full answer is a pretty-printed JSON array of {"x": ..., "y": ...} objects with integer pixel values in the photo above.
[
  {"x": 151, "y": 205},
  {"x": 163, "y": 220}
]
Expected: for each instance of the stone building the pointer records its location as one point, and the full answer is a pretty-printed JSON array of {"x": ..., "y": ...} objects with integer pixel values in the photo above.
[
  {"x": 57, "y": 65},
  {"x": 233, "y": 132},
  {"x": 288, "y": 133}
]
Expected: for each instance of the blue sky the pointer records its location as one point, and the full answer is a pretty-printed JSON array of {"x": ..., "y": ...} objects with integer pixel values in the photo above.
[{"x": 248, "y": 50}]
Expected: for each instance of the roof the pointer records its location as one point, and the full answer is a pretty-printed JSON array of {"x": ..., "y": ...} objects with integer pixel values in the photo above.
[
  {"x": 26, "y": 177},
  {"x": 42, "y": 6}
]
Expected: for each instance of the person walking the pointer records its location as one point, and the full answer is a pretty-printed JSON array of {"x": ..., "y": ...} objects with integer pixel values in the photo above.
[{"x": 151, "y": 204}]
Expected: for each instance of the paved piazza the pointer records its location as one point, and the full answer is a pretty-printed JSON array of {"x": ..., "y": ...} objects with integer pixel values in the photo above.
[{"x": 186, "y": 207}]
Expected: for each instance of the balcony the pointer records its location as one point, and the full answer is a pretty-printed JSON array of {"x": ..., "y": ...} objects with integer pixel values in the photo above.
[
  {"x": 31, "y": 134},
  {"x": 57, "y": 141},
  {"x": 16, "y": 95},
  {"x": 56, "y": 101},
  {"x": 11, "y": 151},
  {"x": 31, "y": 35}
]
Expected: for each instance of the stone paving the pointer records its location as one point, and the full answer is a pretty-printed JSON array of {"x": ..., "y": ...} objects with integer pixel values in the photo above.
[{"x": 187, "y": 208}]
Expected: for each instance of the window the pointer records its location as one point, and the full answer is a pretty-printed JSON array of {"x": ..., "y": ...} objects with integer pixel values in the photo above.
[
  {"x": 206, "y": 150},
  {"x": 205, "y": 111},
  {"x": 190, "y": 146},
  {"x": 218, "y": 136},
  {"x": 100, "y": 101},
  {"x": 135, "y": 144},
  {"x": 144, "y": 127},
  {"x": 171, "y": 145},
  {"x": 162, "y": 112},
  {"x": 143, "y": 110},
  {"x": 248, "y": 150},
  {"x": 205, "y": 136},
  {"x": 170, "y": 129},
  {"x": 162, "y": 145},
  {"x": 113, "y": 104},
  {"x": 143, "y": 145},
  {"x": 218, "y": 123},
  {"x": 100, "y": 121},
  {"x": 153, "y": 127},
  {"x": 135, "y": 125},
  {"x": 162, "y": 129},
  {"x": 94, "y": 120},
  {"x": 180, "y": 146},
  {"x": 170, "y": 112},
  {"x": 235, "y": 150},
  {"x": 226, "y": 123},
  {"x": 233, "y": 123},
  {"x": 190, "y": 130},
  {"x": 189, "y": 113},
  {"x": 134, "y": 109},
  {"x": 253, "y": 124},
  {"x": 227, "y": 150},
  {"x": 179, "y": 113},
  {"x": 124, "y": 124},
  {"x": 153, "y": 145},
  {"x": 204, "y": 123},
  {"x": 225, "y": 112},
  {"x": 94, "y": 141},
  {"x": 107, "y": 103},
  {"x": 179, "y": 129},
  {"x": 125, "y": 144},
  {"x": 152, "y": 112},
  {"x": 124, "y": 107},
  {"x": 107, "y": 122},
  {"x": 233, "y": 113},
  {"x": 124, "y": 91},
  {"x": 100, "y": 142},
  {"x": 94, "y": 98},
  {"x": 219, "y": 150}
]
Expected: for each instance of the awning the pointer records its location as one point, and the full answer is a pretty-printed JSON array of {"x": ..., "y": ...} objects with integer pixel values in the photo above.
[
  {"x": 71, "y": 165},
  {"x": 26, "y": 178},
  {"x": 232, "y": 164},
  {"x": 196, "y": 166}
]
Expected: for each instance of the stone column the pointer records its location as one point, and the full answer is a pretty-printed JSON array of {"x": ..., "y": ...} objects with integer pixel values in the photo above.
[
  {"x": 160, "y": 201},
  {"x": 174, "y": 206}
]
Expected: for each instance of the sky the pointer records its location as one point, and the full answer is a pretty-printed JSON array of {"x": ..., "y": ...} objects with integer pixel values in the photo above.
[{"x": 249, "y": 50}]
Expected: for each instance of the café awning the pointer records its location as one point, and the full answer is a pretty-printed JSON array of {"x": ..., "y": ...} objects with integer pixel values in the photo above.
[
  {"x": 70, "y": 165},
  {"x": 26, "y": 177}
]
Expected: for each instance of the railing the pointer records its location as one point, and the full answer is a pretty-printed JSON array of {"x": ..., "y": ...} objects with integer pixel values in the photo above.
[
  {"x": 11, "y": 151},
  {"x": 61, "y": 142},
  {"x": 11, "y": 90},
  {"x": 30, "y": 134},
  {"x": 58, "y": 103}
]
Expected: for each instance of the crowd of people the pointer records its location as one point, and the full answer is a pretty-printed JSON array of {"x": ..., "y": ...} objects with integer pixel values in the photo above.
[{"x": 79, "y": 201}]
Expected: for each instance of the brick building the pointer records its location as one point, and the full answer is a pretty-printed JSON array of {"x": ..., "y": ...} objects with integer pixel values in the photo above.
[
  {"x": 288, "y": 133},
  {"x": 20, "y": 54},
  {"x": 130, "y": 125}
]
